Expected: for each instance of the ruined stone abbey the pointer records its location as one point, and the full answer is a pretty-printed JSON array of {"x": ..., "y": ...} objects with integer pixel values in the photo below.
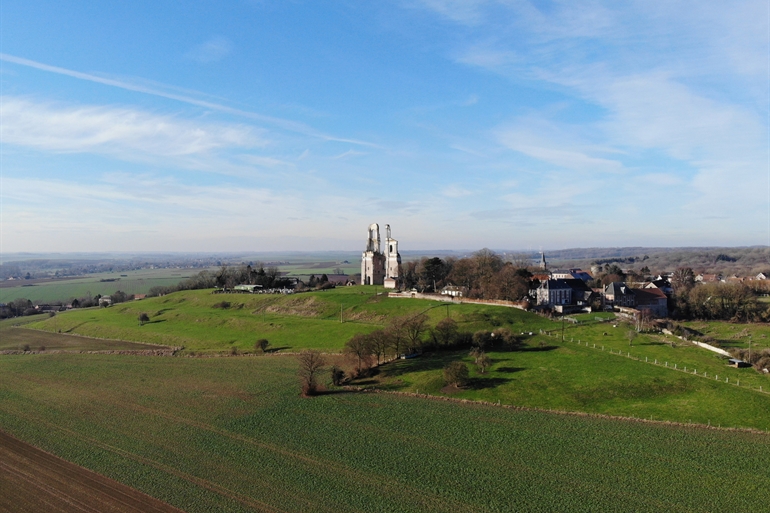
[{"x": 380, "y": 267}]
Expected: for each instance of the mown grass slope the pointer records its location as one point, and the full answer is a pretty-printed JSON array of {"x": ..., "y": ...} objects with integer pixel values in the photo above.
[{"x": 232, "y": 434}]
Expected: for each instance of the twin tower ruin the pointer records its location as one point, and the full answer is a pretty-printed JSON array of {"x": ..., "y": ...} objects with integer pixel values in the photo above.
[{"x": 380, "y": 267}]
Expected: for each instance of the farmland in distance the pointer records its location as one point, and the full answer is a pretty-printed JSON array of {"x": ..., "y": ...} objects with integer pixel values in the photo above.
[{"x": 130, "y": 282}]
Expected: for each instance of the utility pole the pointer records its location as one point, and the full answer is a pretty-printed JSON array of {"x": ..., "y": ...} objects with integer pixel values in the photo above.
[{"x": 562, "y": 326}]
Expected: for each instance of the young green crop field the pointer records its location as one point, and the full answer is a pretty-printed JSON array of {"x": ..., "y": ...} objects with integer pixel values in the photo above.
[
  {"x": 233, "y": 434},
  {"x": 134, "y": 282},
  {"x": 294, "y": 322}
]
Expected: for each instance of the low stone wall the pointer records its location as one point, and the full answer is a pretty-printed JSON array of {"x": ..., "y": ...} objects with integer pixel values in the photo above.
[
  {"x": 458, "y": 300},
  {"x": 699, "y": 344}
]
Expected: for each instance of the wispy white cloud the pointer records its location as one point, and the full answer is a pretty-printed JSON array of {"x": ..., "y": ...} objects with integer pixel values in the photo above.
[
  {"x": 349, "y": 153},
  {"x": 268, "y": 162},
  {"x": 468, "y": 12},
  {"x": 117, "y": 131},
  {"x": 284, "y": 124},
  {"x": 455, "y": 191},
  {"x": 212, "y": 50},
  {"x": 676, "y": 97},
  {"x": 557, "y": 144}
]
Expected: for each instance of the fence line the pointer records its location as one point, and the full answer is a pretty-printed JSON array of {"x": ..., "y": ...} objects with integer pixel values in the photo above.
[{"x": 675, "y": 367}]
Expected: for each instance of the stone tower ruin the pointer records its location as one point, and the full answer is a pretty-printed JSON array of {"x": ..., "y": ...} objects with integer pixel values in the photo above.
[{"x": 380, "y": 265}]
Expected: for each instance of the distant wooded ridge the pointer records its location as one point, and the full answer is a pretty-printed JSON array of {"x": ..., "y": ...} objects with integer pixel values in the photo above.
[{"x": 746, "y": 260}]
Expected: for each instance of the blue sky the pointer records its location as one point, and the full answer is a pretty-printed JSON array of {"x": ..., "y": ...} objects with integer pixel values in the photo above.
[{"x": 293, "y": 125}]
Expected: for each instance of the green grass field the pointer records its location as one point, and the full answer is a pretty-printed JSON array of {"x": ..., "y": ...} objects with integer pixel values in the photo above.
[
  {"x": 730, "y": 334},
  {"x": 232, "y": 434},
  {"x": 581, "y": 379},
  {"x": 596, "y": 370}
]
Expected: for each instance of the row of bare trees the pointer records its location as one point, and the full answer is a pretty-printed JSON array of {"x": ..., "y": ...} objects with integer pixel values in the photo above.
[
  {"x": 404, "y": 335},
  {"x": 411, "y": 334},
  {"x": 485, "y": 274}
]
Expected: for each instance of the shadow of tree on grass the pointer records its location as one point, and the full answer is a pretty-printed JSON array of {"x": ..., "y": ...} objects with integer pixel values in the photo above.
[
  {"x": 482, "y": 383},
  {"x": 509, "y": 370}
]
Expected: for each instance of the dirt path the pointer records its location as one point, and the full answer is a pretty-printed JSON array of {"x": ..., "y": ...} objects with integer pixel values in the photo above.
[{"x": 32, "y": 480}]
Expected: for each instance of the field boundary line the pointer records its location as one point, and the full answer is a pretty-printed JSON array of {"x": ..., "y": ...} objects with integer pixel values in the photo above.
[
  {"x": 175, "y": 348},
  {"x": 472, "y": 402}
]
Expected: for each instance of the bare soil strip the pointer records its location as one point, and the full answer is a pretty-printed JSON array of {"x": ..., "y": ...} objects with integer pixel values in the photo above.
[{"x": 32, "y": 480}]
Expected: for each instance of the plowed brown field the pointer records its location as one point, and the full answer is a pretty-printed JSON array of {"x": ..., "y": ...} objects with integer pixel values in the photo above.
[{"x": 32, "y": 480}]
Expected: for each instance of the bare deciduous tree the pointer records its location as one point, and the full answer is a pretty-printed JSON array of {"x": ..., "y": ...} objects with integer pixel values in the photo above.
[
  {"x": 396, "y": 333},
  {"x": 359, "y": 346},
  {"x": 445, "y": 332},
  {"x": 311, "y": 363},
  {"x": 414, "y": 328},
  {"x": 380, "y": 342}
]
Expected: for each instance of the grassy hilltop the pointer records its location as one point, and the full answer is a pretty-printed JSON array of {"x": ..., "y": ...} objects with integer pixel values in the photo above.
[{"x": 202, "y": 321}]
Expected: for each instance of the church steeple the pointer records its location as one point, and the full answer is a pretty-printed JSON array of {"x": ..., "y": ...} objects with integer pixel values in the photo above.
[{"x": 543, "y": 264}]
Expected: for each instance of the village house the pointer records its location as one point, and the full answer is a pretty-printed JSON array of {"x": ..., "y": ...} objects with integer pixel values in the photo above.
[
  {"x": 619, "y": 294},
  {"x": 661, "y": 284},
  {"x": 654, "y": 300},
  {"x": 558, "y": 294},
  {"x": 709, "y": 278},
  {"x": 454, "y": 291}
]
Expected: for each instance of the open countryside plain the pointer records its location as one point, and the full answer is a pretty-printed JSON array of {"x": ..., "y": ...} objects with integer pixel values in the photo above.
[{"x": 233, "y": 434}]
